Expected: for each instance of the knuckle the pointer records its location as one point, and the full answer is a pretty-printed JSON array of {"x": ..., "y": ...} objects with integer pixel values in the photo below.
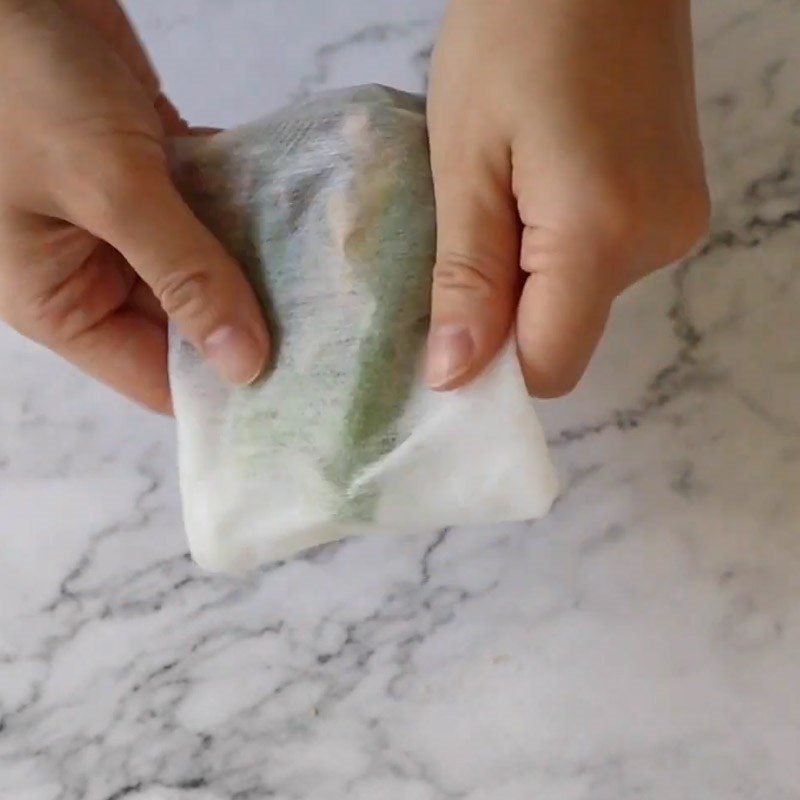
[
  {"x": 623, "y": 223},
  {"x": 620, "y": 222},
  {"x": 62, "y": 312},
  {"x": 460, "y": 272},
  {"x": 56, "y": 317},
  {"x": 184, "y": 293},
  {"x": 605, "y": 225}
]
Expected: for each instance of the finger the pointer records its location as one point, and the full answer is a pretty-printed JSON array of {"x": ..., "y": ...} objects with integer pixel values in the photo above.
[
  {"x": 200, "y": 287},
  {"x": 126, "y": 350},
  {"x": 575, "y": 250},
  {"x": 171, "y": 120},
  {"x": 198, "y": 130},
  {"x": 79, "y": 304},
  {"x": 142, "y": 299},
  {"x": 476, "y": 274},
  {"x": 562, "y": 312}
]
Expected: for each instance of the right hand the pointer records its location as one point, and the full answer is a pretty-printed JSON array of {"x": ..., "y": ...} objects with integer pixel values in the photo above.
[
  {"x": 567, "y": 165},
  {"x": 97, "y": 248}
]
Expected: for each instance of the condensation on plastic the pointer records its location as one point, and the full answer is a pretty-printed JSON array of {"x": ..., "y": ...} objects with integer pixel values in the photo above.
[{"x": 329, "y": 207}]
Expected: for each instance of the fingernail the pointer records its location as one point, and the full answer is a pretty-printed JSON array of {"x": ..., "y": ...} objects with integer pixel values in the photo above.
[
  {"x": 237, "y": 356},
  {"x": 450, "y": 351}
]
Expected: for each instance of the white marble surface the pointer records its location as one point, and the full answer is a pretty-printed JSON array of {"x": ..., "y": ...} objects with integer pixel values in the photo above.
[{"x": 643, "y": 643}]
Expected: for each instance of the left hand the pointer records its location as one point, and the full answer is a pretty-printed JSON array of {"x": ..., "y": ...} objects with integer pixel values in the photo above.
[{"x": 97, "y": 247}]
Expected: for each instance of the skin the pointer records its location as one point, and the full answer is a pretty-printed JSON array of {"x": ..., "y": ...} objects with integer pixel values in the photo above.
[
  {"x": 97, "y": 248},
  {"x": 567, "y": 165},
  {"x": 566, "y": 158}
]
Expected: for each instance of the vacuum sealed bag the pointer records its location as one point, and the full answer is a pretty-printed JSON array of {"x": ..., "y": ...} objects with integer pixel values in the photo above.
[{"x": 329, "y": 207}]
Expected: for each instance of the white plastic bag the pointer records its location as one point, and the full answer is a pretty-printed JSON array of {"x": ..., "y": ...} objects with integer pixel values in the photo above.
[{"x": 329, "y": 207}]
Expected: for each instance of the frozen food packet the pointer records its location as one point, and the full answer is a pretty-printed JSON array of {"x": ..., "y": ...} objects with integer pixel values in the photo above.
[{"x": 329, "y": 207}]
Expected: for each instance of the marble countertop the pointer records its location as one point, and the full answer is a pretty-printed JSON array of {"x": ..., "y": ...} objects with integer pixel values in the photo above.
[{"x": 642, "y": 643}]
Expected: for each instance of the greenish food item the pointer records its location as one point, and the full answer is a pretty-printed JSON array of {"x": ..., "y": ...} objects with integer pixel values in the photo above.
[
  {"x": 396, "y": 257},
  {"x": 347, "y": 178}
]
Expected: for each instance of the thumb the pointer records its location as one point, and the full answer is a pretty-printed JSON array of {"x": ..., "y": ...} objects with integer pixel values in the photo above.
[
  {"x": 475, "y": 279},
  {"x": 201, "y": 288}
]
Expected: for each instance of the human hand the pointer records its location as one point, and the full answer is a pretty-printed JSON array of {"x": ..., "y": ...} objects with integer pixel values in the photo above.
[
  {"x": 97, "y": 247},
  {"x": 567, "y": 165}
]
